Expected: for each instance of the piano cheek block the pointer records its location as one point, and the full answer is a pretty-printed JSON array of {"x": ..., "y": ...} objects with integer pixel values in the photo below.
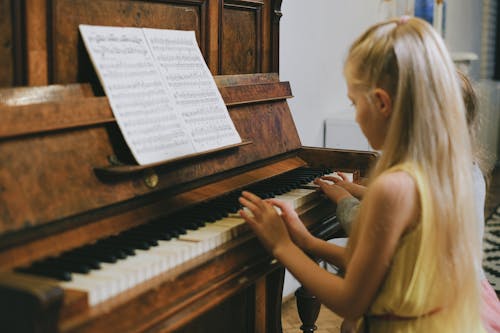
[{"x": 28, "y": 305}]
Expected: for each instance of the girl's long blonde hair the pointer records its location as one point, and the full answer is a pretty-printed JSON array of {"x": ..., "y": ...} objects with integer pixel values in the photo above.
[{"x": 428, "y": 130}]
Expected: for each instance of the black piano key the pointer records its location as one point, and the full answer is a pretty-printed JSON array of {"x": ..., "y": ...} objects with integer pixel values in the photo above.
[
  {"x": 56, "y": 273},
  {"x": 178, "y": 229},
  {"x": 128, "y": 250},
  {"x": 150, "y": 240},
  {"x": 191, "y": 226},
  {"x": 225, "y": 209},
  {"x": 174, "y": 233},
  {"x": 67, "y": 265},
  {"x": 154, "y": 234},
  {"x": 136, "y": 244},
  {"x": 101, "y": 257},
  {"x": 196, "y": 220},
  {"x": 201, "y": 222},
  {"x": 80, "y": 266},
  {"x": 115, "y": 251},
  {"x": 91, "y": 262},
  {"x": 161, "y": 230}
]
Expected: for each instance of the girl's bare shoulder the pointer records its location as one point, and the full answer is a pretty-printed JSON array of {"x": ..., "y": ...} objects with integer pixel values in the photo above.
[
  {"x": 394, "y": 184},
  {"x": 395, "y": 194}
]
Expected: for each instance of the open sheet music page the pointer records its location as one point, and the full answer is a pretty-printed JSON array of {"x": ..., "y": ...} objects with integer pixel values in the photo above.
[
  {"x": 196, "y": 95},
  {"x": 159, "y": 120}
]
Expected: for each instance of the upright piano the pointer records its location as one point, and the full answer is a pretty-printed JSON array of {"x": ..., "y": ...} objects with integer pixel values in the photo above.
[{"x": 92, "y": 242}]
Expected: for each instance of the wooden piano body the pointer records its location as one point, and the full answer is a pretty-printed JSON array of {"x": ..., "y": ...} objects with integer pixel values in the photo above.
[{"x": 67, "y": 178}]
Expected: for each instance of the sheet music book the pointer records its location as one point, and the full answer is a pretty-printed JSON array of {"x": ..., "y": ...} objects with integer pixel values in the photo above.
[{"x": 161, "y": 91}]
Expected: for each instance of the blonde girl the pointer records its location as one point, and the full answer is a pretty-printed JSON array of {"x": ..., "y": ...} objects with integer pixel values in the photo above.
[{"x": 411, "y": 259}]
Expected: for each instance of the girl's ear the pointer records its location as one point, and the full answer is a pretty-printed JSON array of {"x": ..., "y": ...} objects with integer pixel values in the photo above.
[{"x": 383, "y": 102}]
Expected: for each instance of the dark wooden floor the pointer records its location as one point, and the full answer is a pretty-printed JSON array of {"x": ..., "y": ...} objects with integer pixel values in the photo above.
[{"x": 329, "y": 321}]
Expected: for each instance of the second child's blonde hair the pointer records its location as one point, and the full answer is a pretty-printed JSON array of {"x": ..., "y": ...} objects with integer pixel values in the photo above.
[{"x": 428, "y": 130}]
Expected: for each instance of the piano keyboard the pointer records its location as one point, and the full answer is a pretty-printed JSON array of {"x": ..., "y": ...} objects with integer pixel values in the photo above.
[{"x": 117, "y": 263}]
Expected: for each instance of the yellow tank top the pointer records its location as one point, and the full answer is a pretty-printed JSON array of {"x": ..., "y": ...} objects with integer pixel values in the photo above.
[{"x": 409, "y": 299}]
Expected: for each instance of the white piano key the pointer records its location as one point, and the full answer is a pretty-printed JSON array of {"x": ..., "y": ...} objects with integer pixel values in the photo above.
[
  {"x": 235, "y": 224},
  {"x": 97, "y": 290},
  {"x": 298, "y": 197},
  {"x": 210, "y": 238},
  {"x": 181, "y": 251},
  {"x": 122, "y": 281},
  {"x": 223, "y": 230}
]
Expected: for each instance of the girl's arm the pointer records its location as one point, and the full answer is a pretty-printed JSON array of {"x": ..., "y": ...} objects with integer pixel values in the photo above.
[
  {"x": 334, "y": 254},
  {"x": 347, "y": 211},
  {"x": 391, "y": 206},
  {"x": 357, "y": 190}
]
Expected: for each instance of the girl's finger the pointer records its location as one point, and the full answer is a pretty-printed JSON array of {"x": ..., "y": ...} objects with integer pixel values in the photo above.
[
  {"x": 323, "y": 183},
  {"x": 249, "y": 204},
  {"x": 253, "y": 198},
  {"x": 247, "y": 217},
  {"x": 331, "y": 178},
  {"x": 279, "y": 203},
  {"x": 274, "y": 201},
  {"x": 343, "y": 176}
]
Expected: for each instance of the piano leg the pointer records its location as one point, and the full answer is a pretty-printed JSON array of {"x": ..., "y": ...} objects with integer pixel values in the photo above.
[
  {"x": 274, "y": 291},
  {"x": 308, "y": 307}
]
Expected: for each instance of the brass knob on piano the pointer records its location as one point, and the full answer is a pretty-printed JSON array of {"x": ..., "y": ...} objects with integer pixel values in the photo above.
[{"x": 151, "y": 179}]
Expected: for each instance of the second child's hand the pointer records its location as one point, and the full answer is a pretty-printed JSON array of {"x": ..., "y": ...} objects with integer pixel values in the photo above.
[
  {"x": 343, "y": 181},
  {"x": 334, "y": 192}
]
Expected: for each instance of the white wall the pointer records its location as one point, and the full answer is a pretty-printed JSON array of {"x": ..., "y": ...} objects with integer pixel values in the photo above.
[
  {"x": 315, "y": 36},
  {"x": 463, "y": 29}
]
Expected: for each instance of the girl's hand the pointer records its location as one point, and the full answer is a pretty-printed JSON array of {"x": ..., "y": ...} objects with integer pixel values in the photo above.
[
  {"x": 334, "y": 192},
  {"x": 265, "y": 222},
  {"x": 296, "y": 229},
  {"x": 355, "y": 189}
]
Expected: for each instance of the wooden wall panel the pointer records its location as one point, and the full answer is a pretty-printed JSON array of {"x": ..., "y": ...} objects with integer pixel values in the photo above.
[{"x": 6, "y": 44}]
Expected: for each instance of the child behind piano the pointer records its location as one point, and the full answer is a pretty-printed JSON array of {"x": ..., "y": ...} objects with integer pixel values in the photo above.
[
  {"x": 411, "y": 259},
  {"x": 348, "y": 207}
]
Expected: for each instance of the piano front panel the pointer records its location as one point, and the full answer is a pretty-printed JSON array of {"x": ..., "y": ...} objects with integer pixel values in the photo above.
[
  {"x": 40, "y": 42},
  {"x": 67, "y": 14},
  {"x": 241, "y": 29},
  {"x": 64, "y": 141}
]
